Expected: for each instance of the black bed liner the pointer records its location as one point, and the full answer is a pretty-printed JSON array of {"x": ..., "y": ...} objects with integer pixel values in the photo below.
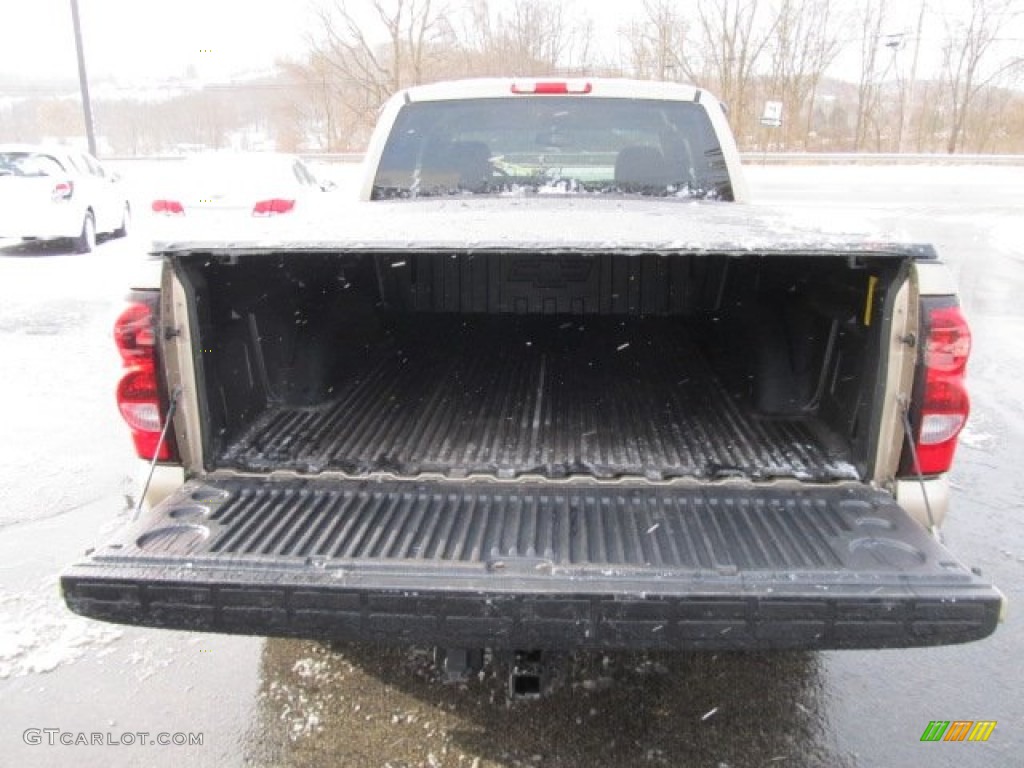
[
  {"x": 506, "y": 399},
  {"x": 537, "y": 565}
]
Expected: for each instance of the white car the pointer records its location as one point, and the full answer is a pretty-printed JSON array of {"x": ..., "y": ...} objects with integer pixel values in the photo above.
[
  {"x": 58, "y": 192},
  {"x": 223, "y": 187}
]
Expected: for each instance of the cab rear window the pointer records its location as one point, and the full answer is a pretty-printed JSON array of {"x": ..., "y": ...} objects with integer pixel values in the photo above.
[{"x": 552, "y": 145}]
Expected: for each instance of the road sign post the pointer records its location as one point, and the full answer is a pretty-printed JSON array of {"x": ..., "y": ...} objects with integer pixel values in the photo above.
[{"x": 770, "y": 118}]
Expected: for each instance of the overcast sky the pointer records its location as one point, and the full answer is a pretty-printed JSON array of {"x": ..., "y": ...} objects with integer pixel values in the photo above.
[{"x": 139, "y": 40}]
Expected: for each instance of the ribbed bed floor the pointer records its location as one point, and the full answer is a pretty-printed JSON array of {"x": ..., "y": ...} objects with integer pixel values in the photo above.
[{"x": 537, "y": 396}]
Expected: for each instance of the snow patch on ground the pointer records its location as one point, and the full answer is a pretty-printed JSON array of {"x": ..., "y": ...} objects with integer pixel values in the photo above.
[
  {"x": 1008, "y": 235},
  {"x": 974, "y": 437},
  {"x": 864, "y": 176},
  {"x": 305, "y": 702},
  {"x": 38, "y": 634}
]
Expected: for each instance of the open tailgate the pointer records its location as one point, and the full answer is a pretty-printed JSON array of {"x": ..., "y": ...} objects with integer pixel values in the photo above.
[{"x": 732, "y": 566}]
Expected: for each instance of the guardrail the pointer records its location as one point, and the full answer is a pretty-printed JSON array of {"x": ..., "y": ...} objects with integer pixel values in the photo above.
[
  {"x": 875, "y": 158},
  {"x": 333, "y": 157},
  {"x": 750, "y": 158}
]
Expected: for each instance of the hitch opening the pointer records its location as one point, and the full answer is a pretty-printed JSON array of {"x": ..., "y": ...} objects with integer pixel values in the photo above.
[{"x": 533, "y": 674}]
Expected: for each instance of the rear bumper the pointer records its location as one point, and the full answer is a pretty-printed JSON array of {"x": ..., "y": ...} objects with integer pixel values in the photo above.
[
  {"x": 911, "y": 495},
  {"x": 531, "y": 567},
  {"x": 45, "y": 221},
  {"x": 163, "y": 479},
  {"x": 772, "y": 615}
]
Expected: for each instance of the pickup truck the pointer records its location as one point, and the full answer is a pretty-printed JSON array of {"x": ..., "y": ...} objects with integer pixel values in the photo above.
[{"x": 550, "y": 384}]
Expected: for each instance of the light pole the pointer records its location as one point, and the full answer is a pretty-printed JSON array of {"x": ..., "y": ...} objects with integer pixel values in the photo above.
[
  {"x": 895, "y": 43},
  {"x": 83, "y": 80}
]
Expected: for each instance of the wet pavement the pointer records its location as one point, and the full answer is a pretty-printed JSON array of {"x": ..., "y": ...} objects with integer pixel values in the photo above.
[{"x": 65, "y": 466}]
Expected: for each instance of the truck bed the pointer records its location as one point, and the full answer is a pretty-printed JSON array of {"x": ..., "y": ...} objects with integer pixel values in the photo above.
[{"x": 599, "y": 397}]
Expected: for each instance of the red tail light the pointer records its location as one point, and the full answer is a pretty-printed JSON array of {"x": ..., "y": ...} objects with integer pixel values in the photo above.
[
  {"x": 138, "y": 393},
  {"x": 949, "y": 341},
  {"x": 550, "y": 88},
  {"x": 62, "y": 190},
  {"x": 944, "y": 404},
  {"x": 168, "y": 207},
  {"x": 272, "y": 207},
  {"x": 134, "y": 333}
]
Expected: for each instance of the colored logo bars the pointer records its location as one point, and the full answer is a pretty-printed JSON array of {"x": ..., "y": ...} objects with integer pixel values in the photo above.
[{"x": 958, "y": 730}]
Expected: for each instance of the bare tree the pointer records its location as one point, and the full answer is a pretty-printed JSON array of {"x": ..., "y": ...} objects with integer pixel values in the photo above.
[
  {"x": 744, "y": 50},
  {"x": 656, "y": 41},
  {"x": 1011, "y": 130},
  {"x": 908, "y": 88},
  {"x": 806, "y": 42},
  {"x": 59, "y": 118},
  {"x": 316, "y": 102},
  {"x": 579, "y": 53},
  {"x": 872, "y": 20},
  {"x": 373, "y": 56},
  {"x": 529, "y": 37},
  {"x": 731, "y": 38},
  {"x": 967, "y": 50},
  {"x": 534, "y": 32}
]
